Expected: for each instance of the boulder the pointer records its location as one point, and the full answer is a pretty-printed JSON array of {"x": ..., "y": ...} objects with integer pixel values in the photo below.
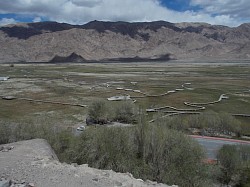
[{"x": 5, "y": 183}]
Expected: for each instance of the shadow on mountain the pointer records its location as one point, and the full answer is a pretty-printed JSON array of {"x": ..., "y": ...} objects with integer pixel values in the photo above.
[
  {"x": 124, "y": 28},
  {"x": 162, "y": 58},
  {"x": 131, "y": 29},
  {"x": 71, "y": 58},
  {"x": 32, "y": 29}
]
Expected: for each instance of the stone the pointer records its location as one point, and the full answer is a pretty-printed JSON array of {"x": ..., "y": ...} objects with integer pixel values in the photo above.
[
  {"x": 74, "y": 164},
  {"x": 8, "y": 97},
  {"x": 151, "y": 182},
  {"x": 118, "y": 183},
  {"x": 140, "y": 180},
  {"x": 129, "y": 174},
  {"x": 106, "y": 174},
  {"x": 5, "y": 183},
  {"x": 95, "y": 179},
  {"x": 13, "y": 182},
  {"x": 31, "y": 185},
  {"x": 6, "y": 148}
]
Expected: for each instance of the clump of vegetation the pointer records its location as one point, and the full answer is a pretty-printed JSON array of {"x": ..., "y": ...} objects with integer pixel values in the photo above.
[
  {"x": 5, "y": 133},
  {"x": 209, "y": 123},
  {"x": 102, "y": 112},
  {"x": 234, "y": 162},
  {"x": 175, "y": 123},
  {"x": 147, "y": 151},
  {"x": 99, "y": 112},
  {"x": 214, "y": 124},
  {"x": 12, "y": 132},
  {"x": 171, "y": 156},
  {"x": 125, "y": 112}
]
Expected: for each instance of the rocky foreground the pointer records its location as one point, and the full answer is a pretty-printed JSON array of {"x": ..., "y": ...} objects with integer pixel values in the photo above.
[
  {"x": 33, "y": 163},
  {"x": 123, "y": 41}
]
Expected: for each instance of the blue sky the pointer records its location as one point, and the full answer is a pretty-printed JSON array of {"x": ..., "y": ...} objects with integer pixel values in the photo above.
[
  {"x": 178, "y": 5},
  {"x": 18, "y": 17},
  {"x": 226, "y": 12}
]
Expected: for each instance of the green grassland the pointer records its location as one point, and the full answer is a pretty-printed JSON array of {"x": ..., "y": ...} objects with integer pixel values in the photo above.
[{"x": 85, "y": 83}]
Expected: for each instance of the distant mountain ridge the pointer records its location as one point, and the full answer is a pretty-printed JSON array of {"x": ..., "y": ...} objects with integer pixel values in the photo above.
[{"x": 138, "y": 41}]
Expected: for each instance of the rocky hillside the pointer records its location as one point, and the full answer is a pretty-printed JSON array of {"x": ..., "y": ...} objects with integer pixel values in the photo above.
[
  {"x": 33, "y": 163},
  {"x": 116, "y": 41}
]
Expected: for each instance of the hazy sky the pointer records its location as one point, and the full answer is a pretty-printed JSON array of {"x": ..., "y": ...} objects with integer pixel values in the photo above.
[{"x": 222, "y": 12}]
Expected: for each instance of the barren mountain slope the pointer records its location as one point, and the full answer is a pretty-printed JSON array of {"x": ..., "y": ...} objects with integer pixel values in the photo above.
[{"x": 41, "y": 42}]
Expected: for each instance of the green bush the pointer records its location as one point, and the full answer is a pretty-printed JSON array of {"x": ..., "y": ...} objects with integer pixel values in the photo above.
[
  {"x": 106, "y": 148},
  {"x": 99, "y": 111},
  {"x": 125, "y": 112},
  {"x": 147, "y": 151},
  {"x": 173, "y": 122},
  {"x": 214, "y": 123},
  {"x": 5, "y": 133},
  {"x": 229, "y": 124},
  {"x": 172, "y": 157},
  {"x": 235, "y": 165}
]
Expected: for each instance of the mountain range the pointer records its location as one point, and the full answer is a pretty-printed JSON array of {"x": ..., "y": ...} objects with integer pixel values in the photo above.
[{"x": 122, "y": 41}]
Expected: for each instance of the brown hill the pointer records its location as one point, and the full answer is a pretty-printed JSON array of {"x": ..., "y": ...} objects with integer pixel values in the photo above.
[{"x": 141, "y": 41}]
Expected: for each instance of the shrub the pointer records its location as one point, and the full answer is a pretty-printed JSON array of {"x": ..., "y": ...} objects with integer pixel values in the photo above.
[
  {"x": 99, "y": 111},
  {"x": 148, "y": 151},
  {"x": 235, "y": 164},
  {"x": 5, "y": 133},
  {"x": 229, "y": 124},
  {"x": 173, "y": 122},
  {"x": 125, "y": 112},
  {"x": 215, "y": 123},
  {"x": 105, "y": 148},
  {"x": 230, "y": 163},
  {"x": 173, "y": 158}
]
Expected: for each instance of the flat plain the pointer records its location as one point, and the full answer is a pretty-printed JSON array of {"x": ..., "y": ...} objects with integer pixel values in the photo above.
[{"x": 81, "y": 84}]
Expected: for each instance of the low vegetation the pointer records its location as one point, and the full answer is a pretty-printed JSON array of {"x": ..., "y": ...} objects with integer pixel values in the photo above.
[
  {"x": 157, "y": 151},
  {"x": 215, "y": 124},
  {"x": 208, "y": 123},
  {"x": 102, "y": 112},
  {"x": 235, "y": 165}
]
